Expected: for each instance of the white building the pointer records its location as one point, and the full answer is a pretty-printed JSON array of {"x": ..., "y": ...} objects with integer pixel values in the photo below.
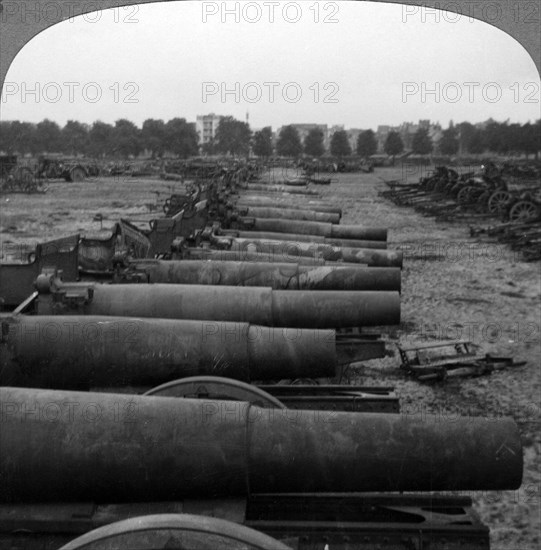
[
  {"x": 353, "y": 135},
  {"x": 206, "y": 126}
]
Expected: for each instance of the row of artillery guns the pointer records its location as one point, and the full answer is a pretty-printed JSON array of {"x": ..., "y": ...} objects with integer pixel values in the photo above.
[
  {"x": 148, "y": 375},
  {"x": 17, "y": 177},
  {"x": 510, "y": 195}
]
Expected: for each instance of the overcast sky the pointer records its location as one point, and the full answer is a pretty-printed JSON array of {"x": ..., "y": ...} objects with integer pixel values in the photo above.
[{"x": 370, "y": 67}]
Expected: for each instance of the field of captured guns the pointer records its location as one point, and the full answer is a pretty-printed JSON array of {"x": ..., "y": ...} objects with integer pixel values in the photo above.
[
  {"x": 292, "y": 358},
  {"x": 508, "y": 197}
]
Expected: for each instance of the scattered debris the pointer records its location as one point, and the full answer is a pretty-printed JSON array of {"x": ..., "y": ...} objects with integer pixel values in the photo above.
[{"x": 437, "y": 361}]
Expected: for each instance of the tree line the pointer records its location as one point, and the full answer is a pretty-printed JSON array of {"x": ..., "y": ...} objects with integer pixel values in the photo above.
[
  {"x": 465, "y": 138},
  {"x": 180, "y": 138},
  {"x": 100, "y": 139}
]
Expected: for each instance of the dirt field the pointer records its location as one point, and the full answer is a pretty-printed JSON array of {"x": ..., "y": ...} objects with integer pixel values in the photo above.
[{"x": 453, "y": 287}]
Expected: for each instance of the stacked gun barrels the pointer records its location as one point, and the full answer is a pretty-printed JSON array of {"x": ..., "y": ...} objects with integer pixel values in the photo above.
[{"x": 266, "y": 307}]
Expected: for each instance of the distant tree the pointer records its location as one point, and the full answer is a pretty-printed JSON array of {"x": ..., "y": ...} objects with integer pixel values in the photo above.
[
  {"x": 513, "y": 134},
  {"x": 476, "y": 143},
  {"x": 48, "y": 136},
  {"x": 340, "y": 146},
  {"x": 448, "y": 143},
  {"x": 127, "y": 138},
  {"x": 153, "y": 137},
  {"x": 233, "y": 136},
  {"x": 23, "y": 138},
  {"x": 263, "y": 142},
  {"x": 465, "y": 134},
  {"x": 75, "y": 138},
  {"x": 313, "y": 143},
  {"x": 209, "y": 148},
  {"x": 367, "y": 144},
  {"x": 535, "y": 138},
  {"x": 422, "y": 142},
  {"x": 181, "y": 138},
  {"x": 494, "y": 137},
  {"x": 289, "y": 142},
  {"x": 6, "y": 143},
  {"x": 393, "y": 144},
  {"x": 530, "y": 139},
  {"x": 100, "y": 139}
]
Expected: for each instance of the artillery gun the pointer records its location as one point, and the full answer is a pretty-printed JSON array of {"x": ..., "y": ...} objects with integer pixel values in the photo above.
[
  {"x": 89, "y": 351},
  {"x": 307, "y": 478},
  {"x": 18, "y": 275},
  {"x": 516, "y": 205},
  {"x": 15, "y": 178},
  {"x": 255, "y": 305},
  {"x": 474, "y": 196},
  {"x": 278, "y": 276},
  {"x": 311, "y": 477},
  {"x": 71, "y": 170},
  {"x": 283, "y": 202},
  {"x": 120, "y": 256}
]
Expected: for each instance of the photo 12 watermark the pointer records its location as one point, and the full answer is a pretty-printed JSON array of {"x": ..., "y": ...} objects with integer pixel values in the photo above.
[
  {"x": 490, "y": 11},
  {"x": 270, "y": 12},
  {"x": 68, "y": 411},
  {"x": 446, "y": 413},
  {"x": 457, "y": 252},
  {"x": 72, "y": 92},
  {"x": 238, "y": 332},
  {"x": 270, "y": 92},
  {"x": 245, "y": 412},
  {"x": 473, "y": 92},
  {"x": 72, "y": 331},
  {"x": 54, "y": 11},
  {"x": 476, "y": 332}
]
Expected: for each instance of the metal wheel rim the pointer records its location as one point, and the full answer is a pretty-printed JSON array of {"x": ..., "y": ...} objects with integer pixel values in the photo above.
[
  {"x": 227, "y": 388},
  {"x": 498, "y": 201},
  {"x": 524, "y": 210}
]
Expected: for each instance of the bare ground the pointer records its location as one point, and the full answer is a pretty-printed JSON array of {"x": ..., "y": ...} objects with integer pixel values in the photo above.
[{"x": 453, "y": 287}]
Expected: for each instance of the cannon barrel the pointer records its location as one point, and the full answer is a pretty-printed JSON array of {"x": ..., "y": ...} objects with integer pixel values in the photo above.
[
  {"x": 289, "y": 189},
  {"x": 70, "y": 446},
  {"x": 194, "y": 254},
  {"x": 277, "y": 276},
  {"x": 76, "y": 352},
  {"x": 255, "y": 305},
  {"x": 296, "y": 237},
  {"x": 315, "y": 228},
  {"x": 351, "y": 232},
  {"x": 368, "y": 256},
  {"x": 291, "y": 214},
  {"x": 291, "y": 202},
  {"x": 295, "y": 249}
]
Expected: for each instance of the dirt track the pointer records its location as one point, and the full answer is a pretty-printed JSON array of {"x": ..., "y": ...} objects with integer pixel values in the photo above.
[{"x": 465, "y": 290}]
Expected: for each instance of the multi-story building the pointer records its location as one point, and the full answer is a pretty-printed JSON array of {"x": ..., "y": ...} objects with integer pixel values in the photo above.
[
  {"x": 206, "y": 126},
  {"x": 381, "y": 136},
  {"x": 353, "y": 134},
  {"x": 407, "y": 130}
]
